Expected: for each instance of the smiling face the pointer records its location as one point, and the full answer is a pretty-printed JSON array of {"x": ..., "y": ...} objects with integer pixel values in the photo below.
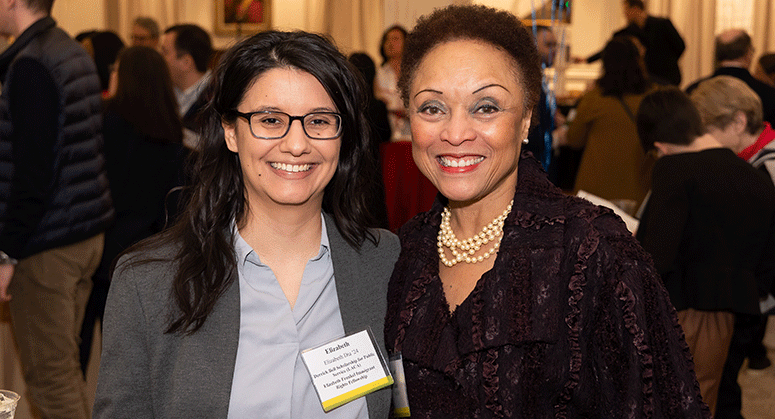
[
  {"x": 293, "y": 170},
  {"x": 468, "y": 121}
]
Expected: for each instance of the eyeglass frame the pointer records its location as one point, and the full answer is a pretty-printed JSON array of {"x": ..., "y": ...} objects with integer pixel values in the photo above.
[{"x": 248, "y": 116}]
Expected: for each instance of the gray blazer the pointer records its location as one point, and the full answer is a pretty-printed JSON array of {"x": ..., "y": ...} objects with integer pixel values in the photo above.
[{"x": 145, "y": 373}]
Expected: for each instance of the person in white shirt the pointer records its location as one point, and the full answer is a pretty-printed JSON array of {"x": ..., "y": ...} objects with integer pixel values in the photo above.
[{"x": 187, "y": 49}]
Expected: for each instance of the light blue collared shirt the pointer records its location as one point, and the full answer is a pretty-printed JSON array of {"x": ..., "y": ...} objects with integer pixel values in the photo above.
[{"x": 270, "y": 379}]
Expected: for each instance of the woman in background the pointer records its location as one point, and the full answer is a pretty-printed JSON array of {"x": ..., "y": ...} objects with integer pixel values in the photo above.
[
  {"x": 386, "y": 82},
  {"x": 272, "y": 256},
  {"x": 613, "y": 165},
  {"x": 144, "y": 156}
]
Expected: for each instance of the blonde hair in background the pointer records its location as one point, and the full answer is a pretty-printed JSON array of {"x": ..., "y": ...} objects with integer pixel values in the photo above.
[{"x": 720, "y": 98}]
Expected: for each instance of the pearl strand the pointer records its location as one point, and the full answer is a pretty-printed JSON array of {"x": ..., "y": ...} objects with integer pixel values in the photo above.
[{"x": 463, "y": 250}]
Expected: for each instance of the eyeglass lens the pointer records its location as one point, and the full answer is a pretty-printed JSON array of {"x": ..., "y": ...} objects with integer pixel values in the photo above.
[{"x": 277, "y": 124}]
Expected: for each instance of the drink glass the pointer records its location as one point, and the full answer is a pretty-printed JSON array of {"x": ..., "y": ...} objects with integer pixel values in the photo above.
[{"x": 8, "y": 401}]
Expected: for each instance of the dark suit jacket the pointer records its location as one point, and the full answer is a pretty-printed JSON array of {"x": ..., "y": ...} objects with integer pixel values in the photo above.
[
  {"x": 664, "y": 46},
  {"x": 766, "y": 93},
  {"x": 145, "y": 373}
]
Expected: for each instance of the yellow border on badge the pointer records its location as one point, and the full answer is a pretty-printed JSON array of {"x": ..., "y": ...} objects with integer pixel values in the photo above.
[
  {"x": 401, "y": 412},
  {"x": 351, "y": 395}
]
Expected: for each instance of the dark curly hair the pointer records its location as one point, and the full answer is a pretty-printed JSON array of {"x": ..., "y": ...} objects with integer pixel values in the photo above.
[{"x": 480, "y": 23}]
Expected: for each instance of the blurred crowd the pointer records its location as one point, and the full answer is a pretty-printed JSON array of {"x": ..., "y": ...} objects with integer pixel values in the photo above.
[{"x": 95, "y": 160}]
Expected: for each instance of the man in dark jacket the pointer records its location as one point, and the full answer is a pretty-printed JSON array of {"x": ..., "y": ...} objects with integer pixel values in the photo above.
[
  {"x": 54, "y": 200},
  {"x": 187, "y": 49},
  {"x": 664, "y": 45},
  {"x": 734, "y": 55}
]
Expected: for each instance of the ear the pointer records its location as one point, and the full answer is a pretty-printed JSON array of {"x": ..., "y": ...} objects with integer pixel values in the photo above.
[
  {"x": 230, "y": 135},
  {"x": 525, "y": 128},
  {"x": 740, "y": 121}
]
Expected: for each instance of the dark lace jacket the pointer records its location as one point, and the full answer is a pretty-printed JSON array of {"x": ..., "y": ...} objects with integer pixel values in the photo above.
[{"x": 571, "y": 322}]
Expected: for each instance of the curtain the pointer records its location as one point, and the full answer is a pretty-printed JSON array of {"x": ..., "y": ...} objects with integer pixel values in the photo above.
[
  {"x": 355, "y": 25},
  {"x": 763, "y": 34}
]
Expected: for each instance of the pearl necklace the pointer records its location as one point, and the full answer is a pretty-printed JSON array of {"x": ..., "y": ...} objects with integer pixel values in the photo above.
[{"x": 463, "y": 250}]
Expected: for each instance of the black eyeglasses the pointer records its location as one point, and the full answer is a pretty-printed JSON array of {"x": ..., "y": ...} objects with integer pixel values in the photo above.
[{"x": 272, "y": 125}]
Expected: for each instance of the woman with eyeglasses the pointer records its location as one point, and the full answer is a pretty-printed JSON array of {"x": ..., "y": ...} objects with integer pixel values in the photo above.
[
  {"x": 272, "y": 256},
  {"x": 510, "y": 298}
]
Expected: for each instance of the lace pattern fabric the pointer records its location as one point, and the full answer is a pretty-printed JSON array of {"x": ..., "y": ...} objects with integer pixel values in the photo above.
[{"x": 572, "y": 321}]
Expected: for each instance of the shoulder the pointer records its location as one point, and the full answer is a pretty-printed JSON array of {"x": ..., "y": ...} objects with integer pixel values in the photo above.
[
  {"x": 387, "y": 241},
  {"x": 148, "y": 269},
  {"x": 659, "y": 21},
  {"x": 28, "y": 72},
  {"x": 379, "y": 254},
  {"x": 386, "y": 248}
]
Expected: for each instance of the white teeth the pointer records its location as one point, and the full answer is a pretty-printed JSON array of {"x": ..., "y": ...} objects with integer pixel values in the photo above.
[
  {"x": 449, "y": 162},
  {"x": 291, "y": 167}
]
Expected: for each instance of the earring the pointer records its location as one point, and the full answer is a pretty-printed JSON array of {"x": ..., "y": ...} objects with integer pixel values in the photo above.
[{"x": 525, "y": 141}]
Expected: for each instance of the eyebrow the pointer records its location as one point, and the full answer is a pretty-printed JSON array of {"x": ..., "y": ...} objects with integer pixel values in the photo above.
[
  {"x": 277, "y": 109},
  {"x": 488, "y": 86},
  {"x": 429, "y": 91},
  {"x": 474, "y": 92}
]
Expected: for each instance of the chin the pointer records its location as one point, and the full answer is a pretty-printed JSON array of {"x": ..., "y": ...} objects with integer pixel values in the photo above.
[{"x": 459, "y": 195}]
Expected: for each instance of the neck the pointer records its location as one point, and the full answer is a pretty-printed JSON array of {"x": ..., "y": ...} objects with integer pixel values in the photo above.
[
  {"x": 640, "y": 18},
  {"x": 701, "y": 143},
  {"x": 748, "y": 140},
  {"x": 282, "y": 229},
  {"x": 190, "y": 79},
  {"x": 395, "y": 62},
  {"x": 23, "y": 19},
  {"x": 469, "y": 217}
]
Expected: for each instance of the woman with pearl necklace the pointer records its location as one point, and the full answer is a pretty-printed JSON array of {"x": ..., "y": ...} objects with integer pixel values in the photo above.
[{"x": 510, "y": 298}]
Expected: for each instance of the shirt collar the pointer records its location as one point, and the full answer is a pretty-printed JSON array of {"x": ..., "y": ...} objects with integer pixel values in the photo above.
[
  {"x": 243, "y": 250},
  {"x": 764, "y": 138},
  {"x": 187, "y": 97}
]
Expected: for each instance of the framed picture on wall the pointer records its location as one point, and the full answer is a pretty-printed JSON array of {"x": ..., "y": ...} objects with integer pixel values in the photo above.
[{"x": 237, "y": 17}]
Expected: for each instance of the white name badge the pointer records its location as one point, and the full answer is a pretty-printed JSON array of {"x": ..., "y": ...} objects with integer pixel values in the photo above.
[{"x": 346, "y": 369}]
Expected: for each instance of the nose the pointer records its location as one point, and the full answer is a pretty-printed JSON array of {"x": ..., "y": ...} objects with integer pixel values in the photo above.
[
  {"x": 296, "y": 142},
  {"x": 458, "y": 129}
]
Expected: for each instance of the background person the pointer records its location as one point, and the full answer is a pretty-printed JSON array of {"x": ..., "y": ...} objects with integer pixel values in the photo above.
[
  {"x": 540, "y": 136},
  {"x": 708, "y": 225},
  {"x": 187, "y": 49},
  {"x": 145, "y": 32},
  {"x": 386, "y": 82},
  {"x": 555, "y": 311},
  {"x": 54, "y": 200},
  {"x": 613, "y": 164},
  {"x": 106, "y": 46},
  {"x": 272, "y": 256},
  {"x": 734, "y": 55},
  {"x": 732, "y": 114},
  {"x": 144, "y": 156}
]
